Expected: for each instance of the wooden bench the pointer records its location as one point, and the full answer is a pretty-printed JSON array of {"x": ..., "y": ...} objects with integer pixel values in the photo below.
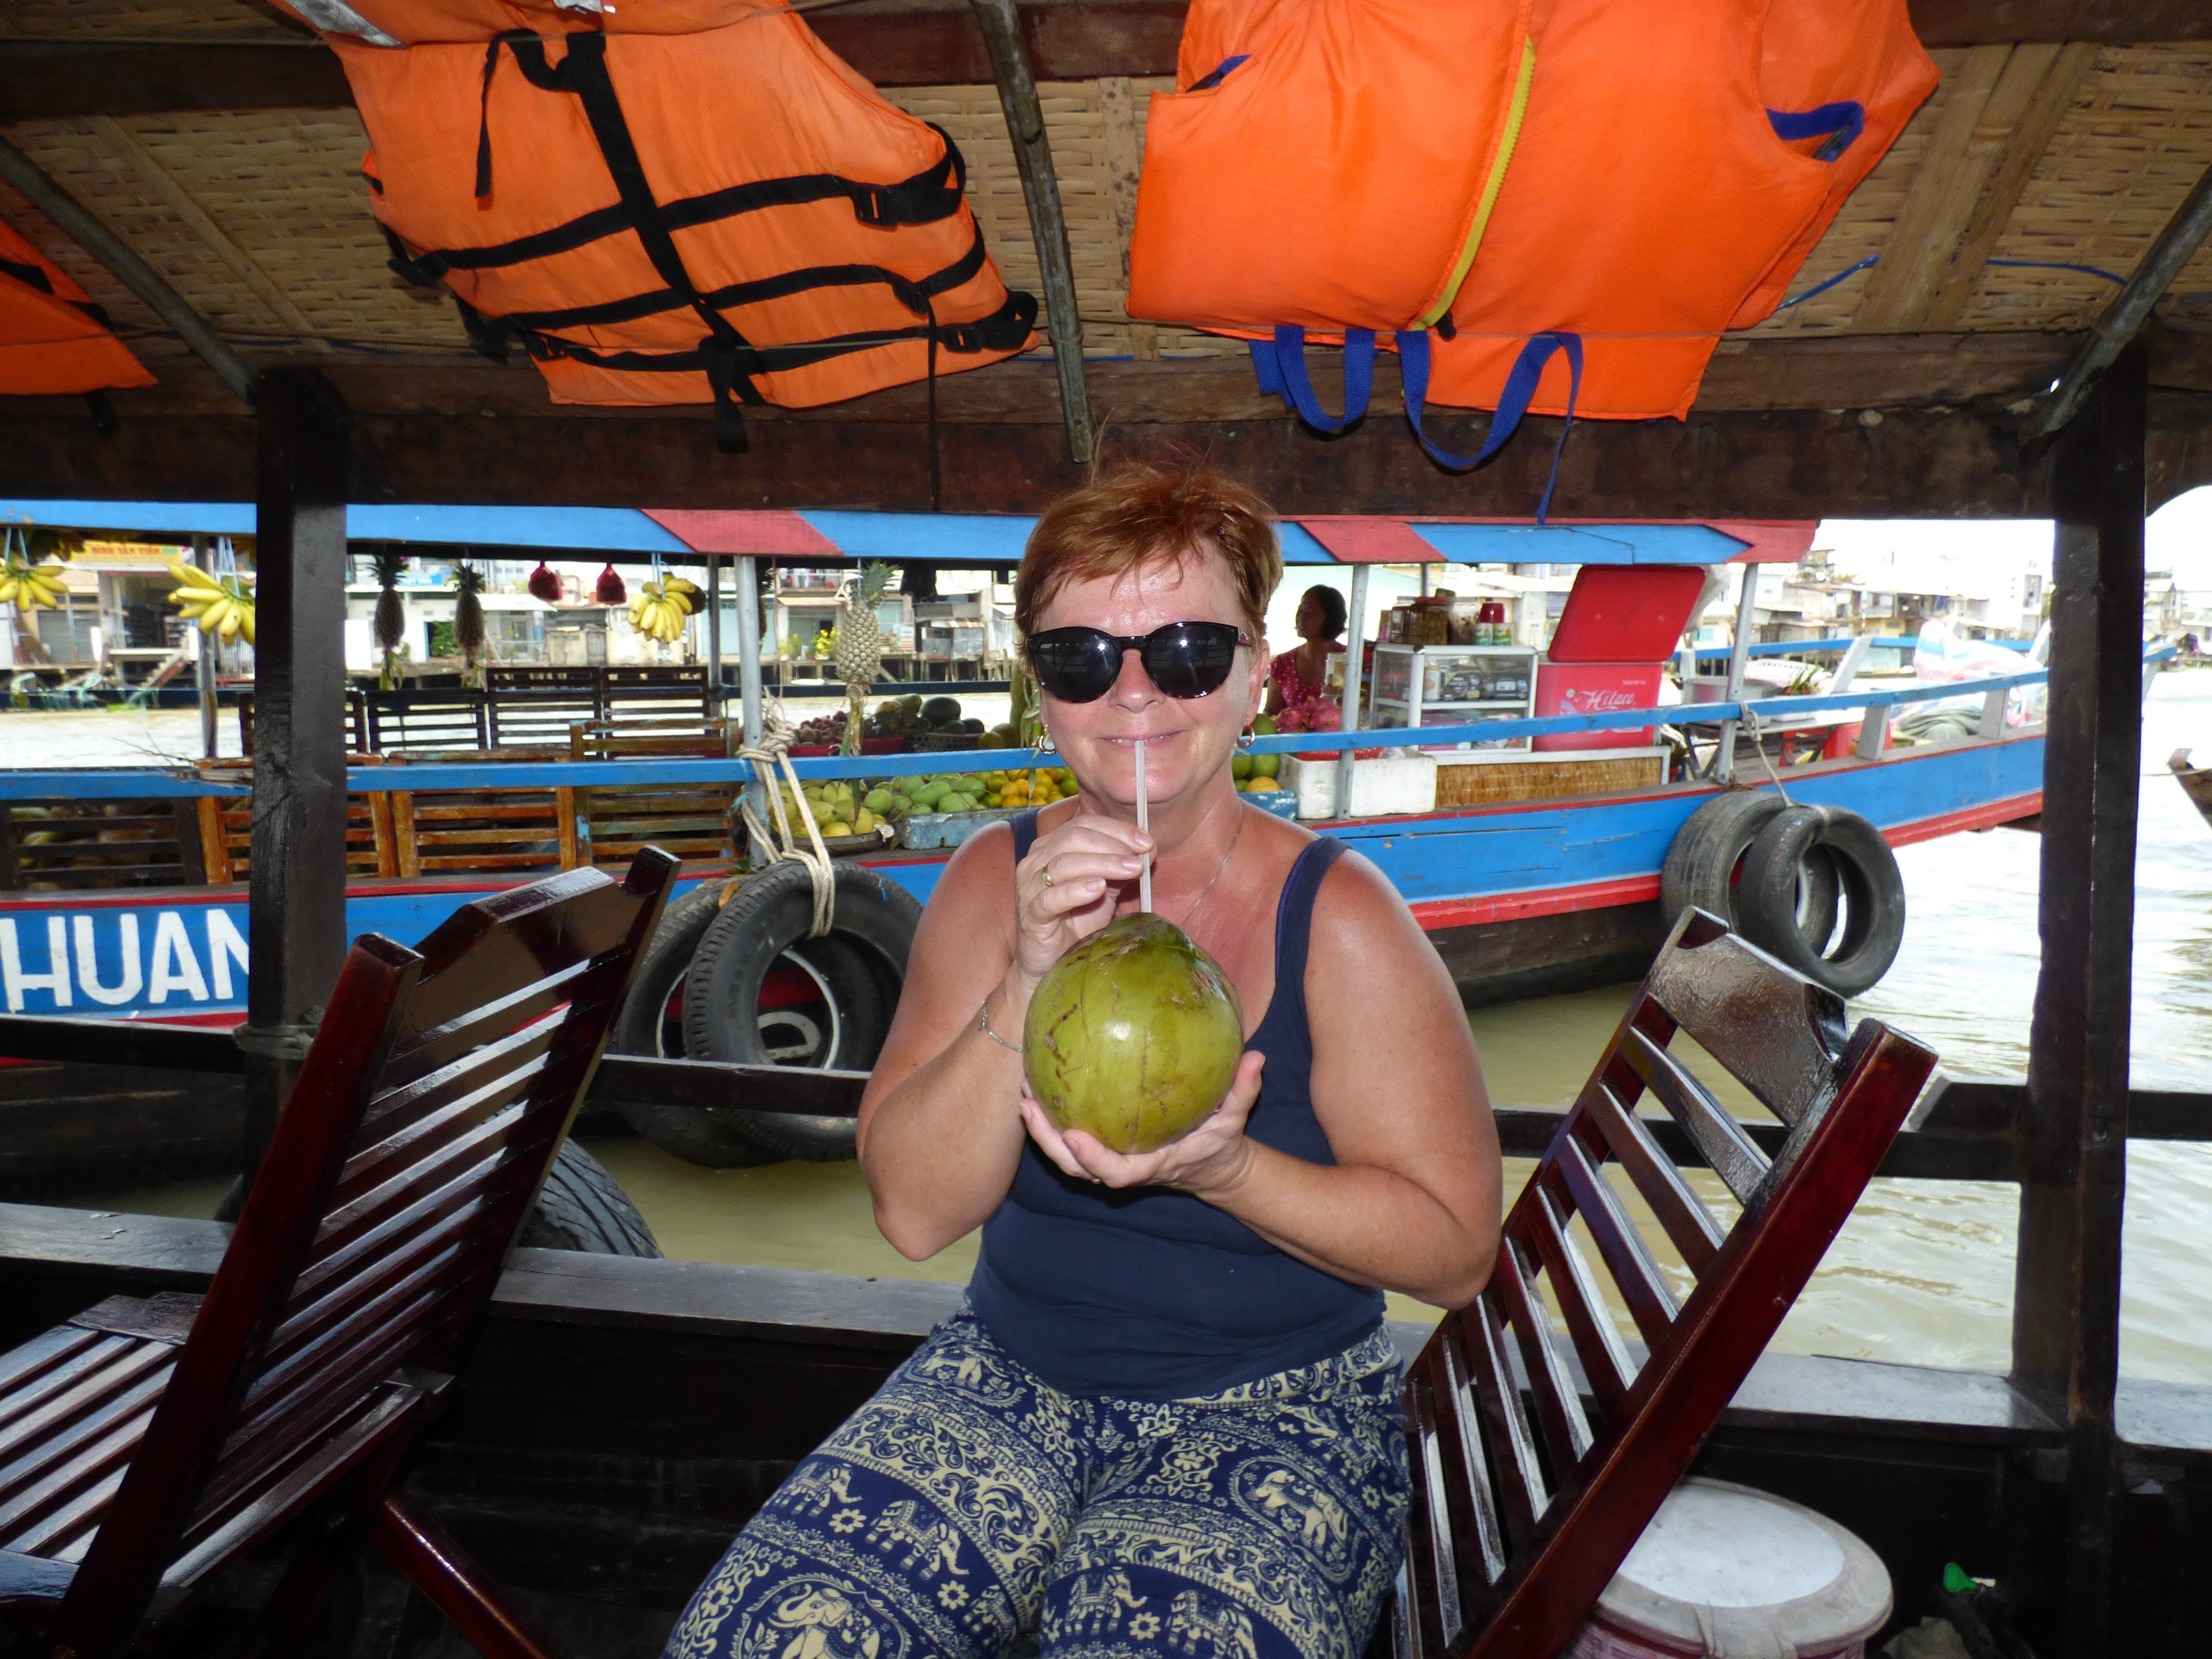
[
  {"x": 690, "y": 820},
  {"x": 151, "y": 1444},
  {"x": 1537, "y": 1463}
]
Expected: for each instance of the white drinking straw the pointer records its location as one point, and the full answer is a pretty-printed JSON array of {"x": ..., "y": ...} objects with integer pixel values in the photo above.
[{"x": 1145, "y": 823}]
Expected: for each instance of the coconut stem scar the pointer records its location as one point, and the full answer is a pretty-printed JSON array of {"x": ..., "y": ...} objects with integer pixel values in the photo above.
[{"x": 1145, "y": 825}]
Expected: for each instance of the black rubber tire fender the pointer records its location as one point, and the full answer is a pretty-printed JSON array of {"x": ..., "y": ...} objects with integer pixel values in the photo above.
[
  {"x": 1873, "y": 894},
  {"x": 645, "y": 1027},
  {"x": 582, "y": 1207},
  {"x": 863, "y": 961},
  {"x": 1701, "y": 862}
]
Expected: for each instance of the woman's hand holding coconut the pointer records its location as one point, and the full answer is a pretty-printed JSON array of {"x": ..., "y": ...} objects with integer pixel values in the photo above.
[{"x": 1221, "y": 1145}]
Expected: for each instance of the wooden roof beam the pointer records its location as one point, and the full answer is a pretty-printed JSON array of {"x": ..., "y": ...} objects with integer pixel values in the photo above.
[
  {"x": 892, "y": 42},
  {"x": 2002, "y": 108}
]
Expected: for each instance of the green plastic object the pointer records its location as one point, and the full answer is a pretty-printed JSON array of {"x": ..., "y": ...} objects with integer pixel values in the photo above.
[{"x": 1957, "y": 1581}]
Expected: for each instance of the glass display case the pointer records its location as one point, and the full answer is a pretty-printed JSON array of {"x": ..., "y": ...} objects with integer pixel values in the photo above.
[{"x": 1453, "y": 685}]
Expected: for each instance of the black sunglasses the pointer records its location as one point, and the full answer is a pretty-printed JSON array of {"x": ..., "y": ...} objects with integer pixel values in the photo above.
[{"x": 1184, "y": 659}]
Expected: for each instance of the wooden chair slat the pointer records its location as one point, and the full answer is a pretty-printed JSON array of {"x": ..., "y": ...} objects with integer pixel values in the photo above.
[
  {"x": 1687, "y": 1221},
  {"x": 421, "y": 1135},
  {"x": 1733, "y": 1154},
  {"x": 1605, "y": 1357},
  {"x": 63, "y": 1534},
  {"x": 1522, "y": 1495},
  {"x": 47, "y": 1364},
  {"x": 1628, "y": 1260},
  {"x": 123, "y": 1368},
  {"x": 32, "y": 1466},
  {"x": 453, "y": 1208},
  {"x": 1452, "y": 1395},
  {"x": 514, "y": 1008},
  {"x": 473, "y": 1157},
  {"x": 308, "y": 1344},
  {"x": 307, "y": 1315},
  {"x": 1558, "y": 1408},
  {"x": 1431, "y": 1555},
  {"x": 33, "y": 1515},
  {"x": 1779, "y": 1037}
]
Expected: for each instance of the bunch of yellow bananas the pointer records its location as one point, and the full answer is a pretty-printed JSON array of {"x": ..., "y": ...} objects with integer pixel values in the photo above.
[
  {"x": 218, "y": 604},
  {"x": 661, "y": 608},
  {"x": 29, "y": 586}
]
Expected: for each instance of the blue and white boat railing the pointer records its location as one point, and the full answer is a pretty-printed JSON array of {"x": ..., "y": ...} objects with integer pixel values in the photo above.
[{"x": 137, "y": 784}]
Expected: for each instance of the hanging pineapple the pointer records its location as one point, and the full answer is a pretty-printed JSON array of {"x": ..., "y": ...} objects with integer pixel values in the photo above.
[
  {"x": 388, "y": 562},
  {"x": 861, "y": 650},
  {"x": 468, "y": 618}
]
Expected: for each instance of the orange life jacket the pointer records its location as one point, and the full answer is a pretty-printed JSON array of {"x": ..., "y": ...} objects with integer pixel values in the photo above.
[
  {"x": 671, "y": 201},
  {"x": 1654, "y": 175},
  {"x": 1325, "y": 165},
  {"x": 1677, "y": 164},
  {"x": 53, "y": 339}
]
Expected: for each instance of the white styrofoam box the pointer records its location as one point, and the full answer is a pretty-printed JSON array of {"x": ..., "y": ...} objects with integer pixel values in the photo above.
[{"x": 1389, "y": 784}]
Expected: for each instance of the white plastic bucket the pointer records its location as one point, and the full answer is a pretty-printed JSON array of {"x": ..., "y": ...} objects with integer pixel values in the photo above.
[{"x": 1733, "y": 1573}]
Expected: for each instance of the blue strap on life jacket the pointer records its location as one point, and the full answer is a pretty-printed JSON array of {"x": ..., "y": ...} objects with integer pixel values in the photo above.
[
  {"x": 1841, "y": 123},
  {"x": 1220, "y": 73},
  {"x": 1513, "y": 402},
  {"x": 1280, "y": 366}
]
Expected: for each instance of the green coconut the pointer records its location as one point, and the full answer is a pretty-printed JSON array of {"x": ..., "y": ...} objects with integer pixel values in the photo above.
[{"x": 1134, "y": 1035}]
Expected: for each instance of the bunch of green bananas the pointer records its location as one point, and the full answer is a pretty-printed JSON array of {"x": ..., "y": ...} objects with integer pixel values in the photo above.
[
  {"x": 661, "y": 608},
  {"x": 29, "y": 586},
  {"x": 218, "y": 604}
]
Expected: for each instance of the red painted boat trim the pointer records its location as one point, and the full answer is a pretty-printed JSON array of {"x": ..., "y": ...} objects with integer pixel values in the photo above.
[
  {"x": 1437, "y": 915},
  {"x": 1987, "y": 816}
]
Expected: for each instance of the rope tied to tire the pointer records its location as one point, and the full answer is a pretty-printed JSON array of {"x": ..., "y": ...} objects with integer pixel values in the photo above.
[
  {"x": 1751, "y": 722},
  {"x": 772, "y": 751}
]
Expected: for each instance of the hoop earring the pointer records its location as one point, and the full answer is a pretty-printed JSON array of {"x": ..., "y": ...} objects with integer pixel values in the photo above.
[
  {"x": 1045, "y": 744},
  {"x": 1245, "y": 739}
]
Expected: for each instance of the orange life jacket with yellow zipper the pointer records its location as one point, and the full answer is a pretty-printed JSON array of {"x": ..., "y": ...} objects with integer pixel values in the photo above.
[
  {"x": 1617, "y": 185},
  {"x": 670, "y": 201}
]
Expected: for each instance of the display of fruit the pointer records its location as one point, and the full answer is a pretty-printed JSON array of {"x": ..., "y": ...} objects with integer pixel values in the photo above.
[
  {"x": 835, "y": 806},
  {"x": 1134, "y": 1035},
  {"x": 662, "y": 607},
  {"x": 28, "y": 586},
  {"x": 544, "y": 584},
  {"x": 970, "y": 791},
  {"x": 219, "y": 605},
  {"x": 609, "y": 589}
]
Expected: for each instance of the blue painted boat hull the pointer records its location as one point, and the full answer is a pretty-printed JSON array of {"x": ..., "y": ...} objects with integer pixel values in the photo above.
[{"x": 1520, "y": 899}]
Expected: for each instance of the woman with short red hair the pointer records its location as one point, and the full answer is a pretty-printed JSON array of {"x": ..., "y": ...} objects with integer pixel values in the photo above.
[{"x": 1168, "y": 1419}]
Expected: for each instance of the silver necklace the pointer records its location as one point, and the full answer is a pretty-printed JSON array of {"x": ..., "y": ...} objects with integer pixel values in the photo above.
[{"x": 1205, "y": 891}]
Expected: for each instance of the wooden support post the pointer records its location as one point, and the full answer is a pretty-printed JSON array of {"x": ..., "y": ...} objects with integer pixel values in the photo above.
[
  {"x": 1747, "y": 609},
  {"x": 2066, "y": 1295},
  {"x": 1354, "y": 648},
  {"x": 204, "y": 672},
  {"x": 714, "y": 636},
  {"x": 297, "y": 933},
  {"x": 1017, "y": 97}
]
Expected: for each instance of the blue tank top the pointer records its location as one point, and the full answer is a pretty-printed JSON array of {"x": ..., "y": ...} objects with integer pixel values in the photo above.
[{"x": 1149, "y": 1294}]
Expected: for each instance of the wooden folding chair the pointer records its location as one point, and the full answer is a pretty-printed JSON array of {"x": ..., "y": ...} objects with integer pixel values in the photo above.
[
  {"x": 148, "y": 1444},
  {"x": 1525, "y": 1501}
]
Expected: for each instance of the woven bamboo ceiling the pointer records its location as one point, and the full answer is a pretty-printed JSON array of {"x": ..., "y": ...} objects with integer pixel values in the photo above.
[{"x": 219, "y": 141}]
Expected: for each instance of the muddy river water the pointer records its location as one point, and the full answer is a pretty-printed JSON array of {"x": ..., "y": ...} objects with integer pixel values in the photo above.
[{"x": 1923, "y": 1274}]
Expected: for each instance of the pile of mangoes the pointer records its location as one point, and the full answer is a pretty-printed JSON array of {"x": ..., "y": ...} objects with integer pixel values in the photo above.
[
  {"x": 838, "y": 808},
  {"x": 970, "y": 791},
  {"x": 1256, "y": 774}
]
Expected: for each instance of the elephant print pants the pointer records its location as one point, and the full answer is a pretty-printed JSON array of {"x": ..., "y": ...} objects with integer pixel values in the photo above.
[{"x": 970, "y": 1508}]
